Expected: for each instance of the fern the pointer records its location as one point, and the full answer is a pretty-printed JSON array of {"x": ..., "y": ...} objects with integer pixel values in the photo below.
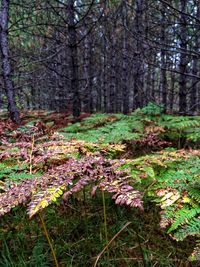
[
  {"x": 63, "y": 167},
  {"x": 183, "y": 216},
  {"x": 103, "y": 128},
  {"x": 194, "y": 192},
  {"x": 171, "y": 179},
  {"x": 151, "y": 109},
  {"x": 20, "y": 176},
  {"x": 192, "y": 228},
  {"x": 44, "y": 190},
  {"x": 181, "y": 127},
  {"x": 43, "y": 199},
  {"x": 194, "y": 134},
  {"x": 181, "y": 122}
]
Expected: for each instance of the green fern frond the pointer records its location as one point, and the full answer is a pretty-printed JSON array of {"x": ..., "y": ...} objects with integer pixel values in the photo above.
[
  {"x": 181, "y": 122},
  {"x": 108, "y": 129},
  {"x": 194, "y": 193},
  {"x": 182, "y": 217},
  {"x": 190, "y": 229},
  {"x": 151, "y": 109},
  {"x": 194, "y": 135}
]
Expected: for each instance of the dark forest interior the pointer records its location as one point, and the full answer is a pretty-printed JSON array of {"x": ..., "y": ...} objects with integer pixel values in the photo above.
[{"x": 100, "y": 56}]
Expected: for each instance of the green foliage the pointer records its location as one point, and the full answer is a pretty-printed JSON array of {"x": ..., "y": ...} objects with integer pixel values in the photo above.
[
  {"x": 181, "y": 127},
  {"x": 176, "y": 187},
  {"x": 152, "y": 109},
  {"x": 52, "y": 168},
  {"x": 115, "y": 128},
  {"x": 171, "y": 179},
  {"x": 105, "y": 129},
  {"x": 193, "y": 134}
]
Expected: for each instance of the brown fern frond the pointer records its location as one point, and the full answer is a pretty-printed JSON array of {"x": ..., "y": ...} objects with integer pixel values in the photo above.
[{"x": 71, "y": 177}]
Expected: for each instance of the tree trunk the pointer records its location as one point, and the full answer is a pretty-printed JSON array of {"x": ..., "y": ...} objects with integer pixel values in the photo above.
[
  {"x": 139, "y": 56},
  {"x": 183, "y": 60},
  {"x": 87, "y": 99},
  {"x": 163, "y": 78},
  {"x": 172, "y": 89},
  {"x": 195, "y": 68},
  {"x": 112, "y": 78},
  {"x": 73, "y": 48},
  {"x": 125, "y": 89},
  {"x": 105, "y": 74},
  {"x": 6, "y": 66}
]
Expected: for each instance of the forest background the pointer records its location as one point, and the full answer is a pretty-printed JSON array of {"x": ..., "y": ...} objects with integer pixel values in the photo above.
[{"x": 100, "y": 56}]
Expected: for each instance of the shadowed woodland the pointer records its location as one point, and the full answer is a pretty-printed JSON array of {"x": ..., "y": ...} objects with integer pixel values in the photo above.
[
  {"x": 99, "y": 133},
  {"x": 100, "y": 56}
]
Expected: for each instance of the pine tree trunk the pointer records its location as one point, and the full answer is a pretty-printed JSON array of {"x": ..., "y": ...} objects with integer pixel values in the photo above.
[
  {"x": 73, "y": 48},
  {"x": 195, "y": 68},
  {"x": 139, "y": 56},
  {"x": 163, "y": 78},
  {"x": 6, "y": 66},
  {"x": 125, "y": 62},
  {"x": 183, "y": 60},
  {"x": 105, "y": 75},
  {"x": 112, "y": 78},
  {"x": 87, "y": 100}
]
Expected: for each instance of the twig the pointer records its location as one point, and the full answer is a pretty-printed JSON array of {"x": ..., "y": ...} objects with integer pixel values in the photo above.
[{"x": 109, "y": 243}]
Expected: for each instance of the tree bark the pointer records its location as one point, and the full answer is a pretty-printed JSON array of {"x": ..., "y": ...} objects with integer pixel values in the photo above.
[
  {"x": 125, "y": 89},
  {"x": 87, "y": 100},
  {"x": 183, "y": 60},
  {"x": 105, "y": 74},
  {"x": 6, "y": 66},
  {"x": 112, "y": 78},
  {"x": 73, "y": 48},
  {"x": 195, "y": 68},
  {"x": 163, "y": 78},
  {"x": 139, "y": 56}
]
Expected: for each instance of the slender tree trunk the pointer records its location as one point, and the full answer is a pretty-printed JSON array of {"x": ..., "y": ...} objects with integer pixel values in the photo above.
[
  {"x": 125, "y": 62},
  {"x": 183, "y": 59},
  {"x": 148, "y": 84},
  {"x": 139, "y": 56},
  {"x": 105, "y": 74},
  {"x": 195, "y": 68},
  {"x": 6, "y": 66},
  {"x": 163, "y": 78},
  {"x": 153, "y": 82},
  {"x": 98, "y": 107},
  {"x": 73, "y": 48},
  {"x": 112, "y": 79},
  {"x": 87, "y": 100},
  {"x": 172, "y": 89}
]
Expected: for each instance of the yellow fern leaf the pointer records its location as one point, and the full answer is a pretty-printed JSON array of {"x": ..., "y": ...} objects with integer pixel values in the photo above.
[{"x": 44, "y": 199}]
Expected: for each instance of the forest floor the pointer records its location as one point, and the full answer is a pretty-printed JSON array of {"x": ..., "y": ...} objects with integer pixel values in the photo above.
[{"x": 150, "y": 207}]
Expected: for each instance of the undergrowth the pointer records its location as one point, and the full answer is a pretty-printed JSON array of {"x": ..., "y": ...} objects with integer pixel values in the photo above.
[{"x": 147, "y": 161}]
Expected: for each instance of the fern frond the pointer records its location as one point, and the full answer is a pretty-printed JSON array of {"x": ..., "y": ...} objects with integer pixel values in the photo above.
[
  {"x": 183, "y": 216},
  {"x": 192, "y": 228},
  {"x": 43, "y": 199},
  {"x": 76, "y": 174},
  {"x": 194, "y": 193}
]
